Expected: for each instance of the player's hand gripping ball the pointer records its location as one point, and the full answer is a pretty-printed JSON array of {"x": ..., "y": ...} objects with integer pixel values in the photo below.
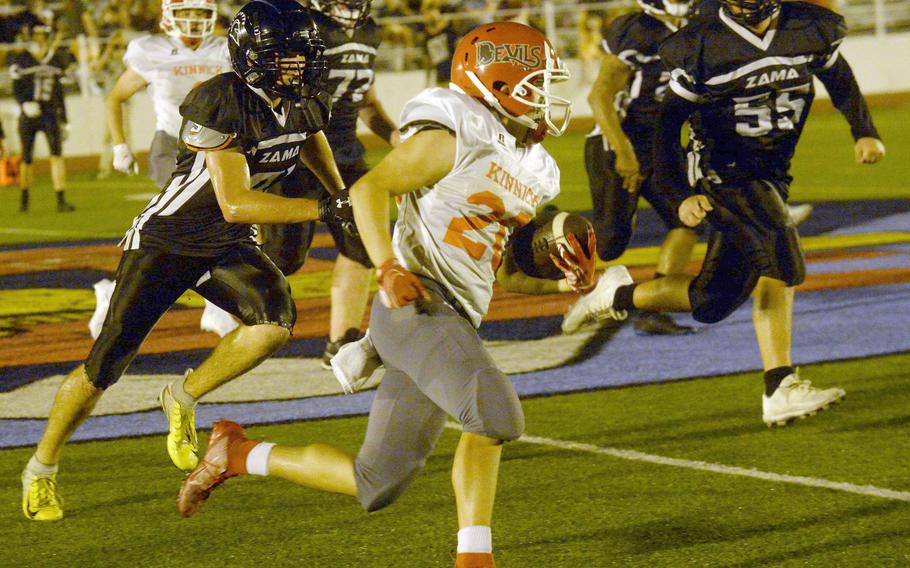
[
  {"x": 534, "y": 247},
  {"x": 577, "y": 262}
]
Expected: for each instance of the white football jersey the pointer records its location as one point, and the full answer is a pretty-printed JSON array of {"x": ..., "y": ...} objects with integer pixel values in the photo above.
[
  {"x": 455, "y": 231},
  {"x": 171, "y": 69}
]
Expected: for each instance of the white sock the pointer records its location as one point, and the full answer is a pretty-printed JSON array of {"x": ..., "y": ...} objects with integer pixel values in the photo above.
[
  {"x": 257, "y": 461},
  {"x": 37, "y": 468},
  {"x": 475, "y": 539}
]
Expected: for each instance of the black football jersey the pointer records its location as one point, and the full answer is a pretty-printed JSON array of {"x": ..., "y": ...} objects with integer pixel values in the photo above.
[
  {"x": 635, "y": 39},
  {"x": 40, "y": 81},
  {"x": 185, "y": 217},
  {"x": 754, "y": 92},
  {"x": 350, "y": 61}
]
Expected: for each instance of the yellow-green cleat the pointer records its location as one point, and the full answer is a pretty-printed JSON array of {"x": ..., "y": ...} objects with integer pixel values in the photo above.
[
  {"x": 40, "y": 499},
  {"x": 182, "y": 445}
]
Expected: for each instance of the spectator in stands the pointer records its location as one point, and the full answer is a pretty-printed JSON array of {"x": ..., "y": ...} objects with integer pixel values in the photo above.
[
  {"x": 440, "y": 39},
  {"x": 111, "y": 16},
  {"x": 590, "y": 34},
  {"x": 399, "y": 38},
  {"x": 75, "y": 19},
  {"x": 145, "y": 14}
]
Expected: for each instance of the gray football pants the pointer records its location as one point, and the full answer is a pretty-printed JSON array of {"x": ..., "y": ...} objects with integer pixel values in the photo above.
[
  {"x": 435, "y": 364},
  {"x": 163, "y": 157}
]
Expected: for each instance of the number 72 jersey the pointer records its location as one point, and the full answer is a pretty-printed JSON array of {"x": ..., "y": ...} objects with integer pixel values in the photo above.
[
  {"x": 455, "y": 231},
  {"x": 753, "y": 92}
]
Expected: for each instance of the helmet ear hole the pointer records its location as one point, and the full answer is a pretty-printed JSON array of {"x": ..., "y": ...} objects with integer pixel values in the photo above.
[{"x": 502, "y": 87}]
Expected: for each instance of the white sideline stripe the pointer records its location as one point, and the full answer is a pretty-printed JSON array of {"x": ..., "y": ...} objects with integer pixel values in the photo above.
[{"x": 633, "y": 455}]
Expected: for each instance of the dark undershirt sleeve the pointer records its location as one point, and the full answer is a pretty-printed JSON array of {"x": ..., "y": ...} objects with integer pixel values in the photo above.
[
  {"x": 847, "y": 98},
  {"x": 669, "y": 158}
]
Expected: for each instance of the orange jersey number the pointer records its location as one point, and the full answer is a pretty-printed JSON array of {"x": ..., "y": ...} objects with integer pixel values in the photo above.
[{"x": 455, "y": 235}]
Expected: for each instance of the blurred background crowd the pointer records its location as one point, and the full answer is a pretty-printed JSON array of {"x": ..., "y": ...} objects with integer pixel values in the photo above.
[{"x": 417, "y": 34}]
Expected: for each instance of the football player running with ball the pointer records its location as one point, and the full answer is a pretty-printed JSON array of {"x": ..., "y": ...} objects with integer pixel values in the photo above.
[
  {"x": 242, "y": 131},
  {"x": 168, "y": 66},
  {"x": 744, "y": 79},
  {"x": 470, "y": 169}
]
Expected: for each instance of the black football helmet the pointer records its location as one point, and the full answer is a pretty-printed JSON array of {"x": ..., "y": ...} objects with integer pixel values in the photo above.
[
  {"x": 265, "y": 35},
  {"x": 750, "y": 12},
  {"x": 676, "y": 9},
  {"x": 350, "y": 14}
]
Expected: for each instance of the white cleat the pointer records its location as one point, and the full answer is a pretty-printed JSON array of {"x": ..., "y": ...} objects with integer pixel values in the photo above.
[
  {"x": 800, "y": 213},
  {"x": 597, "y": 304},
  {"x": 216, "y": 320},
  {"x": 104, "y": 289},
  {"x": 796, "y": 398},
  {"x": 355, "y": 363}
]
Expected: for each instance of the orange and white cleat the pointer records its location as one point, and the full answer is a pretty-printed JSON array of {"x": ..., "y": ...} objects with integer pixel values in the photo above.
[
  {"x": 212, "y": 470},
  {"x": 474, "y": 560}
]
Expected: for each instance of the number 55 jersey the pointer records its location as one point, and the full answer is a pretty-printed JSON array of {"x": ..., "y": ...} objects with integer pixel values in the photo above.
[
  {"x": 754, "y": 92},
  {"x": 455, "y": 231}
]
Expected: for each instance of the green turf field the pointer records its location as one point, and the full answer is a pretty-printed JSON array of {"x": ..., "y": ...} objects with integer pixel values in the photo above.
[
  {"x": 555, "y": 507},
  {"x": 824, "y": 170}
]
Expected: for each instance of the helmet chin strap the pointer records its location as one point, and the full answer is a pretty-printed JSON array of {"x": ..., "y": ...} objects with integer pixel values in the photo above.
[{"x": 491, "y": 100}]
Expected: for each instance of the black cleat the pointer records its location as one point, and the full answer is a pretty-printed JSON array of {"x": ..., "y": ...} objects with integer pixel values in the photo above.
[
  {"x": 332, "y": 347},
  {"x": 660, "y": 324},
  {"x": 64, "y": 207}
]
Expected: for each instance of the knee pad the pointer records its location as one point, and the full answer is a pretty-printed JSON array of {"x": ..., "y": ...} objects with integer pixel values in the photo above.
[
  {"x": 111, "y": 354},
  {"x": 495, "y": 411},
  {"x": 714, "y": 306}
]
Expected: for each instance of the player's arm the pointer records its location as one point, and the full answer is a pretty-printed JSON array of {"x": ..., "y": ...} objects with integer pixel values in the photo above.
[
  {"x": 838, "y": 78},
  {"x": 23, "y": 86},
  {"x": 613, "y": 78},
  {"x": 373, "y": 114},
  {"x": 669, "y": 159},
  {"x": 317, "y": 155},
  {"x": 24, "y": 90},
  {"x": 127, "y": 85},
  {"x": 420, "y": 161},
  {"x": 239, "y": 204}
]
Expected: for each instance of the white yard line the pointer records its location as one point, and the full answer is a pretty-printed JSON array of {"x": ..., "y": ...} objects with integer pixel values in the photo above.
[{"x": 633, "y": 455}]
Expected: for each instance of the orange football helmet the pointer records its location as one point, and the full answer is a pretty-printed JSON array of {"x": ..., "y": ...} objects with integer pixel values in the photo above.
[{"x": 511, "y": 67}]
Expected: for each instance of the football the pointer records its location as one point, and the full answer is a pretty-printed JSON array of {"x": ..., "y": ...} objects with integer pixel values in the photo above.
[{"x": 533, "y": 244}]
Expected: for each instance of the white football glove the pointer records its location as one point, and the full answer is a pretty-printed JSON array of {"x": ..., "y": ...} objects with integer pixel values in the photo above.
[
  {"x": 31, "y": 109},
  {"x": 354, "y": 364},
  {"x": 124, "y": 161}
]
